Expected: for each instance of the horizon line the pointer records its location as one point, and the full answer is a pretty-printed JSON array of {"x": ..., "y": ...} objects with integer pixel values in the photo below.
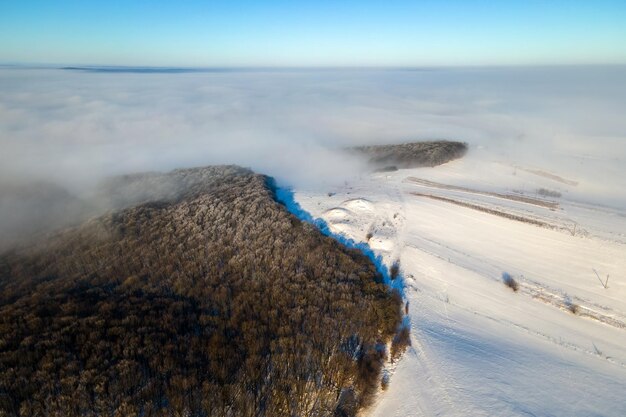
[{"x": 112, "y": 68}]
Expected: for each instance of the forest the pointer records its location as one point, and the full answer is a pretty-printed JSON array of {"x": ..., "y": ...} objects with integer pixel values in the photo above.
[
  {"x": 411, "y": 154},
  {"x": 210, "y": 301}
]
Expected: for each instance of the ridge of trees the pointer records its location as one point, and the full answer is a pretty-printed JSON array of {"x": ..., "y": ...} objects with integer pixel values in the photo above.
[{"x": 213, "y": 302}]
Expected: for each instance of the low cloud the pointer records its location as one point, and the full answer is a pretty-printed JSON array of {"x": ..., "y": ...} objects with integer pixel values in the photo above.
[{"x": 76, "y": 127}]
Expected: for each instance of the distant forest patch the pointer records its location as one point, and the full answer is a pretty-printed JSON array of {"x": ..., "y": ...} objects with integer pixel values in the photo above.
[
  {"x": 212, "y": 301},
  {"x": 412, "y": 155}
]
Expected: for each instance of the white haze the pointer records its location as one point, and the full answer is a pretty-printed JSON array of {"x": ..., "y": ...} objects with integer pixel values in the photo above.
[{"x": 76, "y": 127}]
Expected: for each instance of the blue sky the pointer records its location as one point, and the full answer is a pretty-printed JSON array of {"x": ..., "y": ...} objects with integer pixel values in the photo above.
[{"x": 317, "y": 33}]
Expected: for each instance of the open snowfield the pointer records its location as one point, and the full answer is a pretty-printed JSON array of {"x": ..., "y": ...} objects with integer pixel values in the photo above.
[{"x": 554, "y": 347}]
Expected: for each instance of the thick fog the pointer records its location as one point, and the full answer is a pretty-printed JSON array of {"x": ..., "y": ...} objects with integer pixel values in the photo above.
[{"x": 73, "y": 127}]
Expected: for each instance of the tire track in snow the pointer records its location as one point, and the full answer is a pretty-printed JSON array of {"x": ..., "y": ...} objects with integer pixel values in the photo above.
[
  {"x": 539, "y": 292},
  {"x": 559, "y": 342}
]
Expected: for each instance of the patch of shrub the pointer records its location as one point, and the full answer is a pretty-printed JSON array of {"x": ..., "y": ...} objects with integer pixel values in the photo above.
[
  {"x": 347, "y": 406},
  {"x": 370, "y": 364},
  {"x": 394, "y": 271},
  {"x": 548, "y": 193},
  {"x": 400, "y": 342},
  {"x": 388, "y": 168},
  {"x": 510, "y": 282},
  {"x": 384, "y": 382},
  {"x": 572, "y": 307}
]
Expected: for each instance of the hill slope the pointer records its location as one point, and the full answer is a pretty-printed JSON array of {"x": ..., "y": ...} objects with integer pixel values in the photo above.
[
  {"x": 214, "y": 302},
  {"x": 510, "y": 310}
]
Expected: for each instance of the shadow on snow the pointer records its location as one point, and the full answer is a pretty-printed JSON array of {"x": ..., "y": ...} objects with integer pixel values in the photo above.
[{"x": 285, "y": 196}]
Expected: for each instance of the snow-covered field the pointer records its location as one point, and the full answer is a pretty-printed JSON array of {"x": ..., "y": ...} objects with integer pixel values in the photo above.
[{"x": 554, "y": 347}]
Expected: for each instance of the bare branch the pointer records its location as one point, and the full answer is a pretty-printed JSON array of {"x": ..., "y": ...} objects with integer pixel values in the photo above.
[{"x": 605, "y": 285}]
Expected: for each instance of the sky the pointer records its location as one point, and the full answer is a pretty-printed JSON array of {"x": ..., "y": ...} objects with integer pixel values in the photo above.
[{"x": 313, "y": 33}]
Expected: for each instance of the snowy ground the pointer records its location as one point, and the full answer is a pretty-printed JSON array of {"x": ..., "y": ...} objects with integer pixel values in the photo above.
[{"x": 478, "y": 347}]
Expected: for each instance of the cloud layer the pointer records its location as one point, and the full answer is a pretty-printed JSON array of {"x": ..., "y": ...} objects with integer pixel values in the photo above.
[{"x": 75, "y": 127}]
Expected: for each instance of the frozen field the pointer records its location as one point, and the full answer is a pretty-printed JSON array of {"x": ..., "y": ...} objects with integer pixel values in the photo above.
[{"x": 554, "y": 347}]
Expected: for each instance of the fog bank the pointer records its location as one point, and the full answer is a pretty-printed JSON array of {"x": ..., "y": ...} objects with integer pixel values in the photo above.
[
  {"x": 74, "y": 127},
  {"x": 78, "y": 125}
]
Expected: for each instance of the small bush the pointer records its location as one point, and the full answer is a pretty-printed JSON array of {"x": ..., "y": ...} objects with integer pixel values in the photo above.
[
  {"x": 370, "y": 365},
  {"x": 572, "y": 307},
  {"x": 384, "y": 382},
  {"x": 510, "y": 282},
  {"x": 548, "y": 193},
  {"x": 388, "y": 168},
  {"x": 394, "y": 271},
  {"x": 347, "y": 406},
  {"x": 400, "y": 342}
]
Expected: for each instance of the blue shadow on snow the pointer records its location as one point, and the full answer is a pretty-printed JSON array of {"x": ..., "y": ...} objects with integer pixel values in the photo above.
[{"x": 285, "y": 196}]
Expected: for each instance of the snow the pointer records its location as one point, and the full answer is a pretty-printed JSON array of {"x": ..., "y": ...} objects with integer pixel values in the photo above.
[{"x": 478, "y": 347}]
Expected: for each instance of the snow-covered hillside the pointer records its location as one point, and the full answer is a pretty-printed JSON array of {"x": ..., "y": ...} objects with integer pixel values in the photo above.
[{"x": 554, "y": 347}]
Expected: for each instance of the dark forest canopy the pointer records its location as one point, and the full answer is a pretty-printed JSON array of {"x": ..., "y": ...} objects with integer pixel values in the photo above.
[
  {"x": 413, "y": 154},
  {"x": 214, "y": 301}
]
